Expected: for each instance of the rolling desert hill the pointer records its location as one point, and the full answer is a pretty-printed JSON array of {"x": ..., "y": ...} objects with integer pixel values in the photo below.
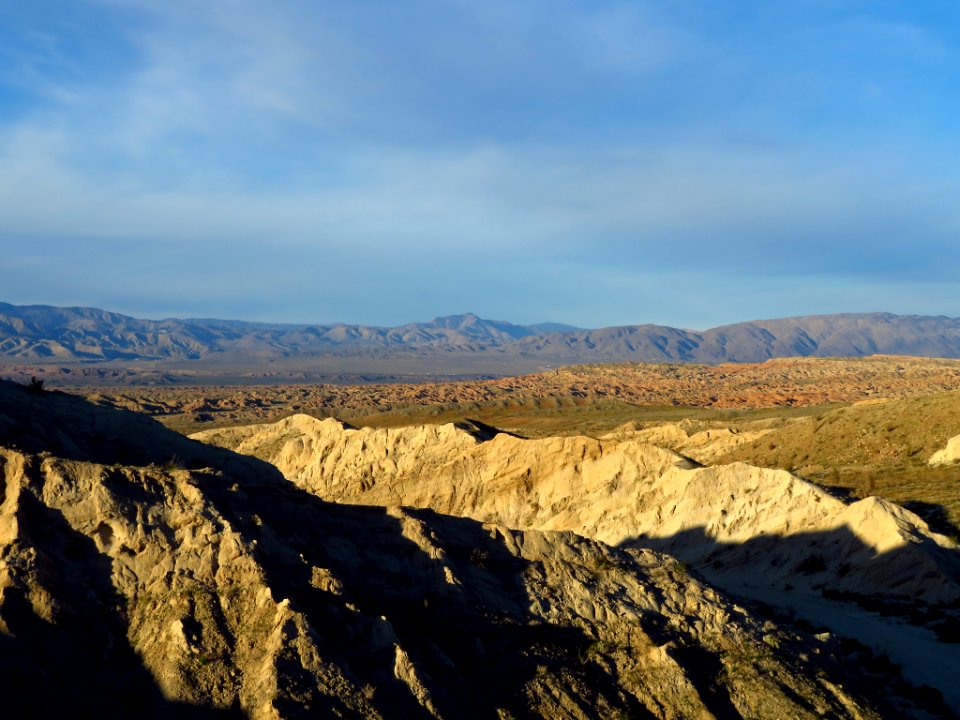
[
  {"x": 864, "y": 426},
  {"x": 99, "y": 345},
  {"x": 562, "y": 400},
  {"x": 143, "y": 574}
]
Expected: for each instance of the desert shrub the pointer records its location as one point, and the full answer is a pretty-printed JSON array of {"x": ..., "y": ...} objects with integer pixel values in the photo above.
[
  {"x": 173, "y": 463},
  {"x": 479, "y": 557}
]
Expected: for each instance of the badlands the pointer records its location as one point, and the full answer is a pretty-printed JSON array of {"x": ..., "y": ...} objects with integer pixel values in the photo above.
[{"x": 701, "y": 548}]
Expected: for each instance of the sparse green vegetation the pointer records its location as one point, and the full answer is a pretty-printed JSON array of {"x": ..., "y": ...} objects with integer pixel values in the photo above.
[
  {"x": 876, "y": 448},
  {"x": 603, "y": 564}
]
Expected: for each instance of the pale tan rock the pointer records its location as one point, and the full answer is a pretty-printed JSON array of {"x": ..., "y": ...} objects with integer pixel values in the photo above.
[
  {"x": 948, "y": 455},
  {"x": 702, "y": 445},
  {"x": 764, "y": 523},
  {"x": 405, "y": 671}
]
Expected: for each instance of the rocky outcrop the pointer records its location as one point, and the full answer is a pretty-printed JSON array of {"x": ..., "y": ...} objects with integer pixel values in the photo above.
[
  {"x": 760, "y": 525},
  {"x": 145, "y": 575},
  {"x": 948, "y": 455},
  {"x": 703, "y": 444}
]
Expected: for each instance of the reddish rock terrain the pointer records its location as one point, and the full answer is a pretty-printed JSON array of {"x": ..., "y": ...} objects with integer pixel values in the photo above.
[{"x": 791, "y": 382}]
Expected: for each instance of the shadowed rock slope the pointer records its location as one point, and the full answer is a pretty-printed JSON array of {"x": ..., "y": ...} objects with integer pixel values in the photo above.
[{"x": 146, "y": 575}]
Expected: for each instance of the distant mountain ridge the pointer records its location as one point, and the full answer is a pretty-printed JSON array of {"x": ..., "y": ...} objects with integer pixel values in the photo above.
[
  {"x": 44, "y": 334},
  {"x": 39, "y": 332}
]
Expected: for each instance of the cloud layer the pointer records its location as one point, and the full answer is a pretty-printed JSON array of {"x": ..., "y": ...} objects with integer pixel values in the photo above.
[{"x": 589, "y": 162}]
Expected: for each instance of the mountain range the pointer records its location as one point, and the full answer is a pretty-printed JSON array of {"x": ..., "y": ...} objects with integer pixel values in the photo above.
[{"x": 41, "y": 334}]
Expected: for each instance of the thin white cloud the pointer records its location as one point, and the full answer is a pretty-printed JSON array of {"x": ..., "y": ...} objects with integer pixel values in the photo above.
[{"x": 632, "y": 204}]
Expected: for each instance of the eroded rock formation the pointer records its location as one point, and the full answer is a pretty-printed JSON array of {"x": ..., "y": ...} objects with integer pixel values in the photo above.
[
  {"x": 142, "y": 574},
  {"x": 763, "y": 526}
]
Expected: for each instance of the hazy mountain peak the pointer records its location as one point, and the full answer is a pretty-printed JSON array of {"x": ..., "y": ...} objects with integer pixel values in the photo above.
[
  {"x": 456, "y": 321},
  {"x": 42, "y": 334}
]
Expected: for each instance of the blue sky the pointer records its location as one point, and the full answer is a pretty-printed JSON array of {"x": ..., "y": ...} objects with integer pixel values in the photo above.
[{"x": 682, "y": 162}]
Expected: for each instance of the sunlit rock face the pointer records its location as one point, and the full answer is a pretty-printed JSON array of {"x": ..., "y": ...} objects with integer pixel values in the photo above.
[
  {"x": 749, "y": 524},
  {"x": 948, "y": 455}
]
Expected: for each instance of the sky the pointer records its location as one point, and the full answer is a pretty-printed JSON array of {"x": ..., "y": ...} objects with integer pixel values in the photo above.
[{"x": 683, "y": 162}]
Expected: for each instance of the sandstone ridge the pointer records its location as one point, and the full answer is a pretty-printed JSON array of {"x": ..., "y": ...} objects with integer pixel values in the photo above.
[{"x": 751, "y": 522}]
